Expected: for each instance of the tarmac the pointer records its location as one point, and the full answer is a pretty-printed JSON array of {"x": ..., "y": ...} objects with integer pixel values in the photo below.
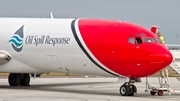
[{"x": 81, "y": 89}]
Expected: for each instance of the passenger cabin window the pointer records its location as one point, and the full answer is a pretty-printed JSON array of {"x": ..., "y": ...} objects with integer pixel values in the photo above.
[
  {"x": 151, "y": 40},
  {"x": 131, "y": 40},
  {"x": 138, "y": 41}
]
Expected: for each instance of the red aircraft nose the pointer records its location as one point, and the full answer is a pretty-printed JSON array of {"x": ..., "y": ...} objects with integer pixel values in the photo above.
[
  {"x": 105, "y": 42},
  {"x": 168, "y": 58},
  {"x": 163, "y": 59},
  {"x": 160, "y": 60}
]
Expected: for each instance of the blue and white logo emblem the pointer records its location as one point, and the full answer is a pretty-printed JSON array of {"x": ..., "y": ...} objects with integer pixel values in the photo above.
[{"x": 17, "y": 40}]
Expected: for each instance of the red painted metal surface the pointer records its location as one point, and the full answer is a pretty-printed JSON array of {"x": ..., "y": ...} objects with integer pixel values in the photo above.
[{"x": 108, "y": 42}]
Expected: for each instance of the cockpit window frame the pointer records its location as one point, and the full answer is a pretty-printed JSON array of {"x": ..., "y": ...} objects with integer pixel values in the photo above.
[
  {"x": 138, "y": 40},
  {"x": 135, "y": 40},
  {"x": 158, "y": 40},
  {"x": 131, "y": 40},
  {"x": 148, "y": 40}
]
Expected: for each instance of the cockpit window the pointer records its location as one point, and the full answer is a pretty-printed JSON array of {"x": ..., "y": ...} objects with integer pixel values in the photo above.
[
  {"x": 135, "y": 41},
  {"x": 149, "y": 40},
  {"x": 138, "y": 41},
  {"x": 159, "y": 40},
  {"x": 131, "y": 40}
]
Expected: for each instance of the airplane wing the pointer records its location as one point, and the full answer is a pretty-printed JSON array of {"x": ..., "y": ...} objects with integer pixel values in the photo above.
[{"x": 4, "y": 58}]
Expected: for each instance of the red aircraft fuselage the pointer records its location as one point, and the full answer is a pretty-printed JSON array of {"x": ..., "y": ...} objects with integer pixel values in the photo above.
[{"x": 126, "y": 49}]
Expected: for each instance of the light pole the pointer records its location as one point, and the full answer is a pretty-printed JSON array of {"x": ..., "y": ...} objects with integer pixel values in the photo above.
[{"x": 177, "y": 39}]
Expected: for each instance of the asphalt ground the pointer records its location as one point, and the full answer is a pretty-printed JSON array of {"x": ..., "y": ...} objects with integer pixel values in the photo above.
[{"x": 81, "y": 89}]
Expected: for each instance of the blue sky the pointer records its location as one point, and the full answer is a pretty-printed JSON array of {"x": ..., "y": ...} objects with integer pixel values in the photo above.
[{"x": 163, "y": 13}]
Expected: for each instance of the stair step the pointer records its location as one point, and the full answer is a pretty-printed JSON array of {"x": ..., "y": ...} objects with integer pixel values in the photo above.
[{"x": 174, "y": 70}]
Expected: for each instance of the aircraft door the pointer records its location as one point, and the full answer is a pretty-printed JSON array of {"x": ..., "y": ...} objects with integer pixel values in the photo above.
[
  {"x": 138, "y": 41},
  {"x": 142, "y": 57},
  {"x": 54, "y": 63},
  {"x": 132, "y": 53}
]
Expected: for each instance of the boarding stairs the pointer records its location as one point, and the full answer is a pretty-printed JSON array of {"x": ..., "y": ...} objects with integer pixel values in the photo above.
[
  {"x": 163, "y": 77},
  {"x": 175, "y": 65}
]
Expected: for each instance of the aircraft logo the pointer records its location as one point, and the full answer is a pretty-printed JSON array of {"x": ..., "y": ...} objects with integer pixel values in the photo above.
[{"x": 17, "y": 39}]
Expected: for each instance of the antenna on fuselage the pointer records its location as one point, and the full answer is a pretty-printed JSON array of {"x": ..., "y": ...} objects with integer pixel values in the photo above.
[{"x": 51, "y": 15}]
